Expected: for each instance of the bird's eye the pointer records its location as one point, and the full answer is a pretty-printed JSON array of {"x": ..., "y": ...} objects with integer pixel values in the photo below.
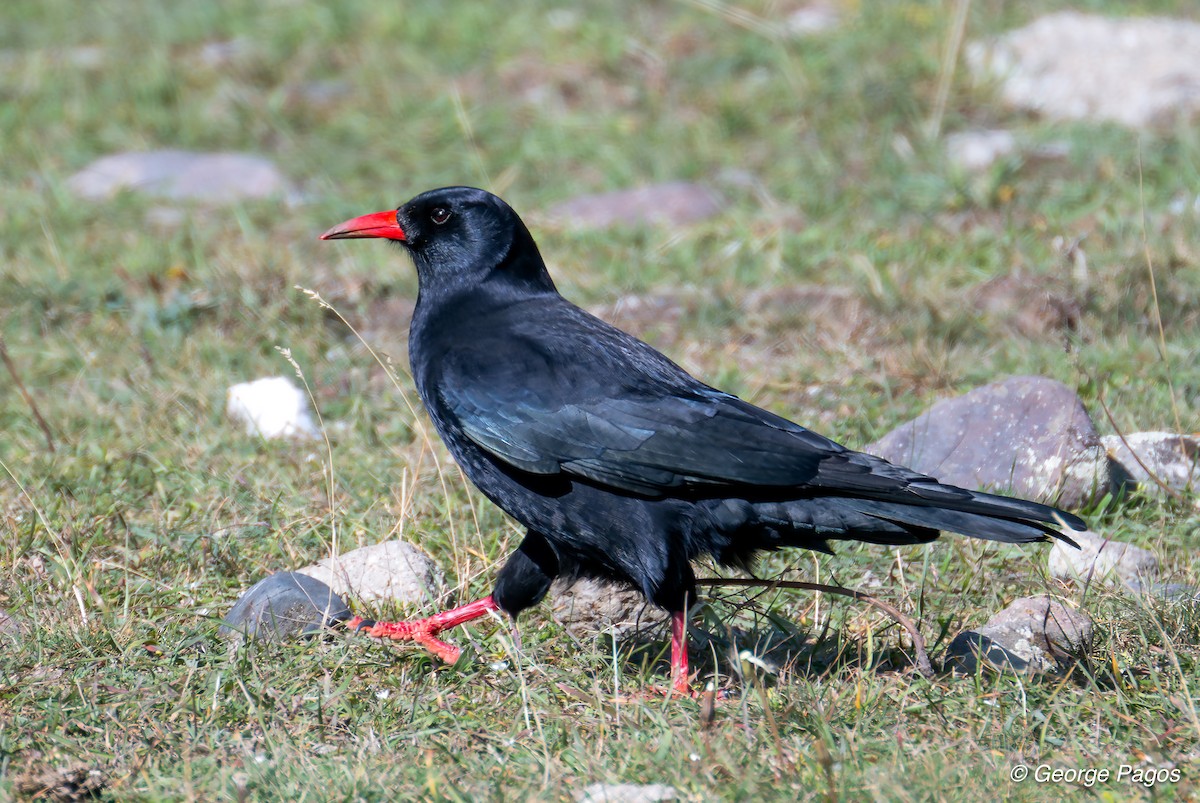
[{"x": 439, "y": 215}]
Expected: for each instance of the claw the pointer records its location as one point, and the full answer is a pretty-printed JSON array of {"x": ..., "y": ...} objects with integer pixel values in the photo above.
[{"x": 424, "y": 631}]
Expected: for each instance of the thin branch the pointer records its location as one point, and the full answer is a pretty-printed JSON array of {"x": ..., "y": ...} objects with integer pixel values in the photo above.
[
  {"x": 921, "y": 655},
  {"x": 37, "y": 416},
  {"x": 1176, "y": 495}
]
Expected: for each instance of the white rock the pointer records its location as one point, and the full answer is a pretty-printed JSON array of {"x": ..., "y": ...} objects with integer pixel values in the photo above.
[
  {"x": 273, "y": 407},
  {"x": 208, "y": 177},
  {"x": 394, "y": 571},
  {"x": 813, "y": 18},
  {"x": 1033, "y": 634},
  {"x": 590, "y": 607},
  {"x": 975, "y": 151},
  {"x": 1070, "y": 66},
  {"x": 1173, "y": 459},
  {"x": 1098, "y": 558},
  {"x": 626, "y": 793}
]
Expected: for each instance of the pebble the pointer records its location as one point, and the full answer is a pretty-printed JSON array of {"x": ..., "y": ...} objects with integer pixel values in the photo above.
[
  {"x": 1100, "y": 559},
  {"x": 675, "y": 203},
  {"x": 284, "y": 605},
  {"x": 626, "y": 793},
  {"x": 1144, "y": 457},
  {"x": 588, "y": 608},
  {"x": 1137, "y": 71},
  {"x": 216, "y": 178},
  {"x": 393, "y": 571},
  {"x": 273, "y": 407},
  {"x": 1032, "y": 635}
]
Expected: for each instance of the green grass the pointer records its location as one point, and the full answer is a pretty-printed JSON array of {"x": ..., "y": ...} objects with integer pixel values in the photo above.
[{"x": 130, "y": 541}]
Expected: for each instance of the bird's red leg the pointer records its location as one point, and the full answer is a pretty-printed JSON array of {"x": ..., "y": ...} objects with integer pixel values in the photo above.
[
  {"x": 424, "y": 631},
  {"x": 679, "y": 657}
]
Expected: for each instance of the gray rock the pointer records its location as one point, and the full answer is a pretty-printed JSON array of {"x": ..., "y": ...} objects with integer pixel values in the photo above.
[
  {"x": 1174, "y": 460},
  {"x": 813, "y": 18},
  {"x": 208, "y": 177},
  {"x": 1137, "y": 71},
  {"x": 1100, "y": 559},
  {"x": 1183, "y": 593},
  {"x": 975, "y": 151},
  {"x": 394, "y": 571},
  {"x": 626, "y": 793},
  {"x": 1029, "y": 305},
  {"x": 11, "y": 627},
  {"x": 589, "y": 607},
  {"x": 284, "y": 605},
  {"x": 1026, "y": 435},
  {"x": 1032, "y": 635},
  {"x": 675, "y": 203}
]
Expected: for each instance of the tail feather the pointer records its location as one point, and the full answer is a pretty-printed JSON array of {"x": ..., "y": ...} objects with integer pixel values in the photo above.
[
  {"x": 977, "y": 525},
  {"x": 954, "y": 498}
]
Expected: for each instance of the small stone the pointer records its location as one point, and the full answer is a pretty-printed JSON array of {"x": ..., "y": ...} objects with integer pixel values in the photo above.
[
  {"x": 676, "y": 203},
  {"x": 394, "y": 571},
  {"x": 1144, "y": 457},
  {"x": 1032, "y": 635},
  {"x": 1098, "y": 559},
  {"x": 181, "y": 175},
  {"x": 283, "y": 605},
  {"x": 976, "y": 151},
  {"x": 1030, "y": 305},
  {"x": 273, "y": 407},
  {"x": 1028, "y": 435},
  {"x": 626, "y": 793},
  {"x": 813, "y": 18},
  {"x": 1138, "y": 71},
  {"x": 77, "y": 781},
  {"x": 589, "y": 607},
  {"x": 11, "y": 627},
  {"x": 165, "y": 217}
]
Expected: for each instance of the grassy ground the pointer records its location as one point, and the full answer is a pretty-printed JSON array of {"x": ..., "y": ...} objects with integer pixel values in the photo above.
[{"x": 123, "y": 547}]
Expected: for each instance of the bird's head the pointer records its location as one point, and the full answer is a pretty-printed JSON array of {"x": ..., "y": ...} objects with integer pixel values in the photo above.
[{"x": 458, "y": 237}]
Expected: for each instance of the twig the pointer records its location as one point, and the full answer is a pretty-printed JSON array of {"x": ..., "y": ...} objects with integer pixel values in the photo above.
[
  {"x": 1176, "y": 495},
  {"x": 921, "y": 657},
  {"x": 37, "y": 416},
  {"x": 957, "y": 30}
]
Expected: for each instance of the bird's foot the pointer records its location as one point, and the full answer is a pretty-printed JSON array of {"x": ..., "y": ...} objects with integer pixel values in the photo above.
[
  {"x": 419, "y": 631},
  {"x": 425, "y": 631},
  {"x": 683, "y": 689}
]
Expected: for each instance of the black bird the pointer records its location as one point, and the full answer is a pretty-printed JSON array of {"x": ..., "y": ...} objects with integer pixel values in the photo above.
[{"x": 620, "y": 464}]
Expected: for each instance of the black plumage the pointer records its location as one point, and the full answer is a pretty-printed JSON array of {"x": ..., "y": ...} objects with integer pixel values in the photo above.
[{"x": 619, "y": 463}]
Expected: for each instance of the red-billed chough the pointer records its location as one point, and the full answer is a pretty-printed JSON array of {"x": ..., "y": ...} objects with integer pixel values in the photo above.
[{"x": 620, "y": 464}]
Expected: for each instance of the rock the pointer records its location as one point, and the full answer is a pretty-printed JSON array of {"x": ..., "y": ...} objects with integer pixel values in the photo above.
[
  {"x": 676, "y": 203},
  {"x": 181, "y": 175},
  {"x": 394, "y": 571},
  {"x": 1181, "y": 593},
  {"x": 1033, "y": 634},
  {"x": 11, "y": 628},
  {"x": 1142, "y": 457},
  {"x": 589, "y": 607},
  {"x": 1137, "y": 71},
  {"x": 813, "y": 18},
  {"x": 273, "y": 407},
  {"x": 626, "y": 793},
  {"x": 1029, "y": 305},
  {"x": 283, "y": 605},
  {"x": 1027, "y": 435},
  {"x": 975, "y": 151},
  {"x": 78, "y": 781},
  {"x": 1098, "y": 558}
]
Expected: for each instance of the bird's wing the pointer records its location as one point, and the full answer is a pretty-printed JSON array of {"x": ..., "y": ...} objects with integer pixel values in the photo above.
[{"x": 645, "y": 429}]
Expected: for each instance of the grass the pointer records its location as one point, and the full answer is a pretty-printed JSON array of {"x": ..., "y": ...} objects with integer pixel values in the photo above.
[{"x": 124, "y": 546}]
